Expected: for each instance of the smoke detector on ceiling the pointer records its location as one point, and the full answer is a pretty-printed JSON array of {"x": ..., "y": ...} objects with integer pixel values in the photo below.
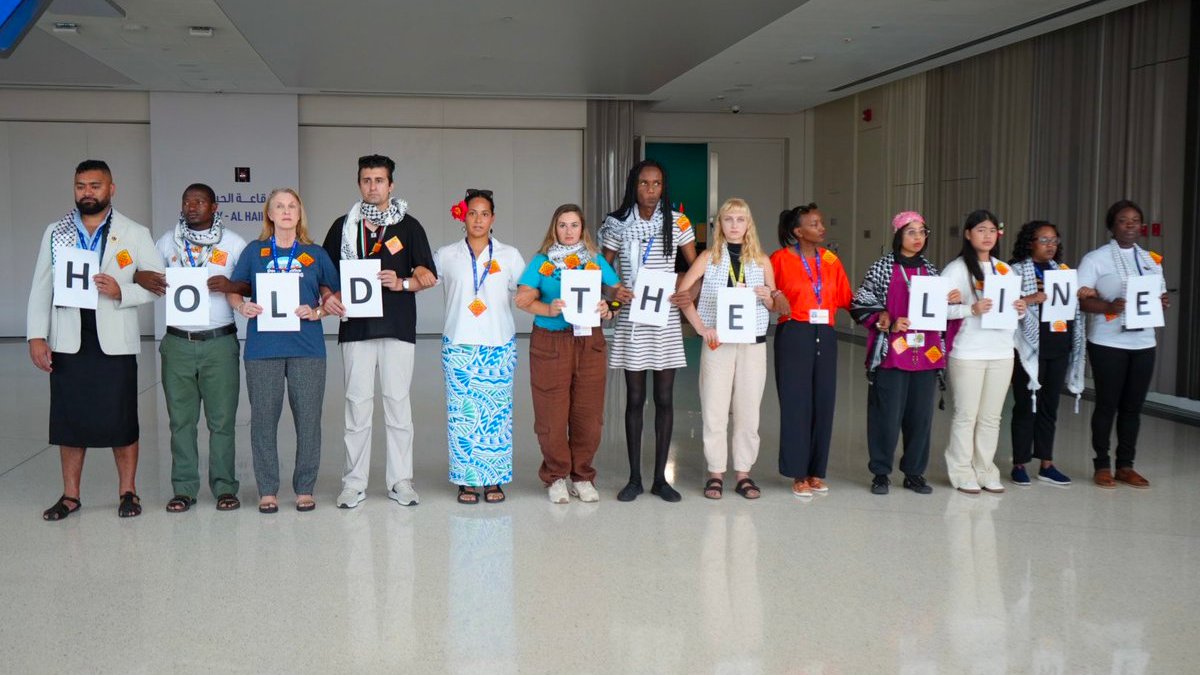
[{"x": 200, "y": 31}]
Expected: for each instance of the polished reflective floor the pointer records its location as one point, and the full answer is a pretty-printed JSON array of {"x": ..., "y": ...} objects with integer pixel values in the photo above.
[{"x": 1041, "y": 579}]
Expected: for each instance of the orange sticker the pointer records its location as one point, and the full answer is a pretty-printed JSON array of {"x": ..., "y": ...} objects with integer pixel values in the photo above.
[
  {"x": 1063, "y": 266},
  {"x": 829, "y": 257},
  {"x": 124, "y": 259},
  {"x": 591, "y": 266},
  {"x": 264, "y": 253},
  {"x": 1001, "y": 268},
  {"x": 1059, "y": 326},
  {"x": 900, "y": 345},
  {"x": 305, "y": 259},
  {"x": 219, "y": 257},
  {"x": 477, "y": 307},
  {"x": 1110, "y": 317},
  {"x": 684, "y": 223},
  {"x": 394, "y": 245},
  {"x": 546, "y": 269},
  {"x": 494, "y": 269},
  {"x": 979, "y": 285},
  {"x": 1155, "y": 257},
  {"x": 933, "y": 354},
  {"x": 571, "y": 261}
]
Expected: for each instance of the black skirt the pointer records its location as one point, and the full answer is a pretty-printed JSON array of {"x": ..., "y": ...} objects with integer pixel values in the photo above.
[{"x": 93, "y": 396}]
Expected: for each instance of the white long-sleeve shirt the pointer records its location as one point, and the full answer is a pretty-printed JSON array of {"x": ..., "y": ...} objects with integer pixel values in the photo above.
[{"x": 973, "y": 341}]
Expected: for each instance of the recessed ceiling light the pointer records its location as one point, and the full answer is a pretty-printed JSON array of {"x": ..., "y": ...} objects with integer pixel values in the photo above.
[
  {"x": 803, "y": 59},
  {"x": 200, "y": 31},
  {"x": 847, "y": 39},
  {"x": 66, "y": 27},
  {"x": 134, "y": 27}
]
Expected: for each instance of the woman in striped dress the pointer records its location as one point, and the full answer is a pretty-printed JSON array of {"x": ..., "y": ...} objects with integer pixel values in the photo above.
[{"x": 646, "y": 234}]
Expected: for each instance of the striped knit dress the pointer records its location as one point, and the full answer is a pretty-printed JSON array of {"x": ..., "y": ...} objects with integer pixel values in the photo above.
[{"x": 638, "y": 346}]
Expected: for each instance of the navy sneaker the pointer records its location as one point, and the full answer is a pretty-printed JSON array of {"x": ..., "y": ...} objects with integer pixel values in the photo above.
[
  {"x": 1052, "y": 475},
  {"x": 917, "y": 484},
  {"x": 1020, "y": 476},
  {"x": 879, "y": 485}
]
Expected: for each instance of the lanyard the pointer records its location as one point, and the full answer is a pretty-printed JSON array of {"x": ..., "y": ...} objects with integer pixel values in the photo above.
[
  {"x": 362, "y": 239},
  {"x": 740, "y": 279},
  {"x": 95, "y": 240},
  {"x": 275, "y": 255},
  {"x": 1137, "y": 264},
  {"x": 191, "y": 260},
  {"x": 477, "y": 280},
  {"x": 646, "y": 253},
  {"x": 818, "y": 282},
  {"x": 907, "y": 278}
]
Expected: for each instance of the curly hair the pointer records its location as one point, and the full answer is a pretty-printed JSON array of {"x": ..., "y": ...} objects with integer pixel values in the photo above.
[{"x": 1023, "y": 246}]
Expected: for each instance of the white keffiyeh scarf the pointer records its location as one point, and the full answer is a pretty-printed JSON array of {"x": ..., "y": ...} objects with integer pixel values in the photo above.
[
  {"x": 558, "y": 255},
  {"x": 360, "y": 211},
  {"x": 633, "y": 232},
  {"x": 66, "y": 234},
  {"x": 1124, "y": 264},
  {"x": 1028, "y": 338},
  {"x": 201, "y": 242}
]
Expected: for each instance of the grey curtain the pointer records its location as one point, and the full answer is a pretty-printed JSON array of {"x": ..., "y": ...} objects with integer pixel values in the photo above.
[{"x": 608, "y": 153}]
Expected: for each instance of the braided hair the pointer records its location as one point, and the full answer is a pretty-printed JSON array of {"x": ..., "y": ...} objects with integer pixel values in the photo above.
[{"x": 629, "y": 202}]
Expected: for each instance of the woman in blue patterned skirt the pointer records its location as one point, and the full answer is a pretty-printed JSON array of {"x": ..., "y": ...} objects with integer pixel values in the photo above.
[{"x": 479, "y": 350}]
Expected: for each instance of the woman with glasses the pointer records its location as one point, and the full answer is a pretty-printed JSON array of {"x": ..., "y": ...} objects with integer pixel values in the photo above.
[
  {"x": 479, "y": 350},
  {"x": 903, "y": 365},
  {"x": 981, "y": 359},
  {"x": 1050, "y": 356}
]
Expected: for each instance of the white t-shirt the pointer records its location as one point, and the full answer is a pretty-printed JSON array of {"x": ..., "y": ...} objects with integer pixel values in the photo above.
[
  {"x": 493, "y": 326},
  {"x": 973, "y": 341},
  {"x": 221, "y": 262},
  {"x": 1097, "y": 270}
]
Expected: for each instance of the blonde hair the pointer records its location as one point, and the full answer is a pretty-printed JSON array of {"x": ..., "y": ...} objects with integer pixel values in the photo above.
[
  {"x": 751, "y": 249},
  {"x": 551, "y": 237},
  {"x": 269, "y": 225}
]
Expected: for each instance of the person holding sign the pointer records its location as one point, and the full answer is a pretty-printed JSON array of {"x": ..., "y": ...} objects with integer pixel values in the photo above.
[
  {"x": 479, "y": 350},
  {"x": 812, "y": 288},
  {"x": 981, "y": 359},
  {"x": 567, "y": 371},
  {"x": 379, "y": 228},
  {"x": 1122, "y": 356},
  {"x": 1050, "y": 353},
  {"x": 732, "y": 376},
  {"x": 200, "y": 359},
  {"x": 275, "y": 358},
  {"x": 904, "y": 363},
  {"x": 91, "y": 354},
  {"x": 647, "y": 236}
]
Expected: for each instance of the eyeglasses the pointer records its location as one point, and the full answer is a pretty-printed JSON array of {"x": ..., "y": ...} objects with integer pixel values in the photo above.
[
  {"x": 1048, "y": 241},
  {"x": 476, "y": 192},
  {"x": 916, "y": 233}
]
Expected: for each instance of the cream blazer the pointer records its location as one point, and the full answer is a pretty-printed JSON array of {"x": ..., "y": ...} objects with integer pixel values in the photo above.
[{"x": 116, "y": 322}]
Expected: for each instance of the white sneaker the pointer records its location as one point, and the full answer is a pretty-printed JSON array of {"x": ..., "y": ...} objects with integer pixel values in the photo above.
[
  {"x": 995, "y": 487},
  {"x": 969, "y": 487},
  {"x": 350, "y": 498},
  {"x": 558, "y": 491},
  {"x": 403, "y": 493},
  {"x": 585, "y": 491}
]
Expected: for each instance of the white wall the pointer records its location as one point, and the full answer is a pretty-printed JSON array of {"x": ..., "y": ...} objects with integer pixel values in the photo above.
[{"x": 43, "y": 135}]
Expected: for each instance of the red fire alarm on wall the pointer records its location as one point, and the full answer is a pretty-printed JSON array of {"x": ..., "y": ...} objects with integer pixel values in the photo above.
[
  {"x": 1156, "y": 229},
  {"x": 867, "y": 114}
]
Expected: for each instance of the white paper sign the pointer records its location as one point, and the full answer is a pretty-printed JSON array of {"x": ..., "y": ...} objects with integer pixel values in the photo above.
[
  {"x": 581, "y": 292},
  {"x": 1143, "y": 306},
  {"x": 73, "y": 283},
  {"x": 1003, "y": 290},
  {"x": 927, "y": 303},
  {"x": 362, "y": 291},
  {"x": 1061, "y": 288},
  {"x": 188, "y": 299},
  {"x": 279, "y": 295},
  {"x": 652, "y": 297},
  {"x": 736, "y": 315}
]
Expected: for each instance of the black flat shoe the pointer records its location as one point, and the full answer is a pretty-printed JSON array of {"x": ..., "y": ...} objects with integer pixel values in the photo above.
[
  {"x": 630, "y": 492},
  {"x": 879, "y": 486},
  {"x": 917, "y": 484},
  {"x": 664, "y": 490}
]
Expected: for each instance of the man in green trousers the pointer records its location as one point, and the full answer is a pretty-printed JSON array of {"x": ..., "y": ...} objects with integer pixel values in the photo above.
[{"x": 200, "y": 363}]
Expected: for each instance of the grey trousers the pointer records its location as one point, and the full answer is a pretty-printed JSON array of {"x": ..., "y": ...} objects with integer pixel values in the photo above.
[{"x": 305, "y": 378}]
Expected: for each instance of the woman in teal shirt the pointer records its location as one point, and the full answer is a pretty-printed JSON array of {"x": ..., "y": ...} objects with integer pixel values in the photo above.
[{"x": 567, "y": 365}]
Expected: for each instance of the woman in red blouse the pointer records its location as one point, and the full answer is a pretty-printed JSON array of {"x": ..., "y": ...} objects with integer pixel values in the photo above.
[{"x": 812, "y": 286}]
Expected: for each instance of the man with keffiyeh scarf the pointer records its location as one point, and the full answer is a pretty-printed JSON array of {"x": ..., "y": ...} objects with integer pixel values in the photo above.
[{"x": 380, "y": 227}]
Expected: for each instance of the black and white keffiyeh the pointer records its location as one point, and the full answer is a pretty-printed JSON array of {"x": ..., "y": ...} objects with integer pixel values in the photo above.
[
  {"x": 360, "y": 211},
  {"x": 1124, "y": 264},
  {"x": 1029, "y": 338},
  {"x": 201, "y": 242},
  {"x": 871, "y": 298},
  {"x": 66, "y": 233},
  {"x": 632, "y": 231},
  {"x": 558, "y": 255}
]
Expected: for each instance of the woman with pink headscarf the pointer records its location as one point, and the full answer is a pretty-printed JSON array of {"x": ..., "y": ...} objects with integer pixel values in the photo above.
[{"x": 903, "y": 366}]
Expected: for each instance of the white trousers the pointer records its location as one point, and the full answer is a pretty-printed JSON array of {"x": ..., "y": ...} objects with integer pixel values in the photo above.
[
  {"x": 978, "y": 388},
  {"x": 394, "y": 359},
  {"x": 732, "y": 378}
]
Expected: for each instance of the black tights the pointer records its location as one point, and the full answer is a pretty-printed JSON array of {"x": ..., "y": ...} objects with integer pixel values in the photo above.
[{"x": 664, "y": 418}]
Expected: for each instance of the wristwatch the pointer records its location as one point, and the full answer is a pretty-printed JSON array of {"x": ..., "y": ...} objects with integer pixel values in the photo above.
[{"x": 404, "y": 284}]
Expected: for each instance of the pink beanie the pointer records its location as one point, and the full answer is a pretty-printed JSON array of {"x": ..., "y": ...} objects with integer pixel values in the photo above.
[{"x": 905, "y": 217}]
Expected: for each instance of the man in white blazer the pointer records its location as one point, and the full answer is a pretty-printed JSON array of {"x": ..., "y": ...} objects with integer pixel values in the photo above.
[{"x": 91, "y": 354}]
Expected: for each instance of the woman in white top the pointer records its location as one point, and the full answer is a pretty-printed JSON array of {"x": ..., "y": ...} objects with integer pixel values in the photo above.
[
  {"x": 1122, "y": 359},
  {"x": 479, "y": 350},
  {"x": 981, "y": 359},
  {"x": 732, "y": 376}
]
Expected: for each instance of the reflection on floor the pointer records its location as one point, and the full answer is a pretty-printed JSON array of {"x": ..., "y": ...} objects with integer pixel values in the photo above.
[{"x": 1041, "y": 579}]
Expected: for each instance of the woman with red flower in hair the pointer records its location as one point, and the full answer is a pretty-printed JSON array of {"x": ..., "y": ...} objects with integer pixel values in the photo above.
[{"x": 567, "y": 364}]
